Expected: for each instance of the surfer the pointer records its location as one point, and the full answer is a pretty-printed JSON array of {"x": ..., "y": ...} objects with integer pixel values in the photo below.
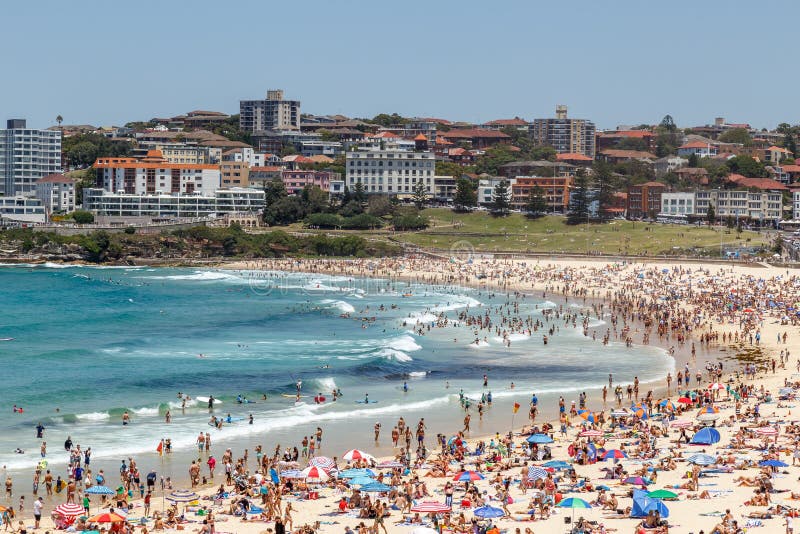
[
  {"x": 126, "y": 418},
  {"x": 366, "y": 398},
  {"x": 211, "y": 402},
  {"x": 40, "y": 430},
  {"x": 250, "y": 420},
  {"x": 298, "y": 385}
]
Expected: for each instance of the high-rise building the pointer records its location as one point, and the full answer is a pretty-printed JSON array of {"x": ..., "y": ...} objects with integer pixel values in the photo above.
[
  {"x": 565, "y": 135},
  {"x": 274, "y": 113},
  {"x": 392, "y": 172},
  {"x": 26, "y": 155}
]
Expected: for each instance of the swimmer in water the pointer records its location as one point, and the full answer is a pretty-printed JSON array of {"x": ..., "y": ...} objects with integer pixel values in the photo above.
[
  {"x": 405, "y": 387},
  {"x": 366, "y": 398}
]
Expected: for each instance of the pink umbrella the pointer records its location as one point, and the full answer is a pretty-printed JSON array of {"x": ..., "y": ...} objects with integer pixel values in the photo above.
[
  {"x": 355, "y": 454},
  {"x": 316, "y": 474},
  {"x": 430, "y": 506}
]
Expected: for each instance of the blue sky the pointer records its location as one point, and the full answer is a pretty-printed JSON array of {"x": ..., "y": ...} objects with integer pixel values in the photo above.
[{"x": 615, "y": 62}]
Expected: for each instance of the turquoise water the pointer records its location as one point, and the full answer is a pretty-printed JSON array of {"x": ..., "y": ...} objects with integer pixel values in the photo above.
[{"x": 90, "y": 343}]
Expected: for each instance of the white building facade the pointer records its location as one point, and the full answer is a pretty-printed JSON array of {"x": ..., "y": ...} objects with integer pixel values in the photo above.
[
  {"x": 26, "y": 155},
  {"x": 392, "y": 172},
  {"x": 486, "y": 189},
  {"x": 22, "y": 209},
  {"x": 234, "y": 200},
  {"x": 56, "y": 192},
  {"x": 677, "y": 203},
  {"x": 154, "y": 175}
]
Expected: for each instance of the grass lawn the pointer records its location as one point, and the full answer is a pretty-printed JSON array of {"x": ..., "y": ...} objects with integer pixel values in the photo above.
[{"x": 550, "y": 234}]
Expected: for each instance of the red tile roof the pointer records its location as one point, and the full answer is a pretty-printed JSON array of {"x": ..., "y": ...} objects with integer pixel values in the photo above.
[
  {"x": 636, "y": 134},
  {"x": 767, "y": 184},
  {"x": 774, "y": 148},
  {"x": 631, "y": 154},
  {"x": 420, "y": 137},
  {"x": 473, "y": 133},
  {"x": 790, "y": 168},
  {"x": 508, "y": 122},
  {"x": 572, "y": 156},
  {"x": 55, "y": 179},
  {"x": 653, "y": 184},
  {"x": 695, "y": 144}
]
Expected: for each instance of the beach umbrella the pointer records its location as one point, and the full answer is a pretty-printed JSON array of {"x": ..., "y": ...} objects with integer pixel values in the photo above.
[
  {"x": 182, "y": 496},
  {"x": 662, "y": 494},
  {"x": 591, "y": 434},
  {"x": 621, "y": 412},
  {"x": 668, "y": 405},
  {"x": 635, "y": 481},
  {"x": 656, "y": 505},
  {"x": 69, "y": 509},
  {"x": 685, "y": 400},
  {"x": 701, "y": 459},
  {"x": 539, "y": 438},
  {"x": 292, "y": 473},
  {"x": 767, "y": 431},
  {"x": 574, "y": 503},
  {"x": 614, "y": 454},
  {"x": 376, "y": 487},
  {"x": 361, "y": 481},
  {"x": 100, "y": 490},
  {"x": 587, "y": 415},
  {"x": 705, "y": 436},
  {"x": 715, "y": 385},
  {"x": 355, "y": 454},
  {"x": 536, "y": 473},
  {"x": 324, "y": 462},
  {"x": 106, "y": 517},
  {"x": 772, "y": 463},
  {"x": 556, "y": 464},
  {"x": 316, "y": 474},
  {"x": 641, "y": 413},
  {"x": 353, "y": 473},
  {"x": 488, "y": 512},
  {"x": 708, "y": 410},
  {"x": 468, "y": 475},
  {"x": 430, "y": 507},
  {"x": 681, "y": 423}
]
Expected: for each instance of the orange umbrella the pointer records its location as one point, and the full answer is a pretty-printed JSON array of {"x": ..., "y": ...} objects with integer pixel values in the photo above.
[{"x": 106, "y": 517}]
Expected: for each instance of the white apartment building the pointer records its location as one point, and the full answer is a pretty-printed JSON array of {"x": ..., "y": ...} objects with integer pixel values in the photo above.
[
  {"x": 56, "y": 192},
  {"x": 677, "y": 203},
  {"x": 222, "y": 201},
  {"x": 796, "y": 205},
  {"x": 486, "y": 189},
  {"x": 26, "y": 155},
  {"x": 245, "y": 155},
  {"x": 21, "y": 209},
  {"x": 392, "y": 172},
  {"x": 755, "y": 206},
  {"x": 153, "y": 174}
]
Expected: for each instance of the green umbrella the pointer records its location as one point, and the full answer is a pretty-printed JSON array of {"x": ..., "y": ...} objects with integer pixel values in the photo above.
[
  {"x": 662, "y": 494},
  {"x": 573, "y": 502}
]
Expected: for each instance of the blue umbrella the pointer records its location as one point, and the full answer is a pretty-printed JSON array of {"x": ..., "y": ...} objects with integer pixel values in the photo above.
[
  {"x": 488, "y": 511},
  {"x": 706, "y": 436},
  {"x": 556, "y": 464},
  {"x": 540, "y": 438},
  {"x": 772, "y": 463},
  {"x": 100, "y": 490},
  {"x": 658, "y": 506},
  {"x": 362, "y": 481},
  {"x": 376, "y": 487},
  {"x": 701, "y": 459},
  {"x": 536, "y": 473}
]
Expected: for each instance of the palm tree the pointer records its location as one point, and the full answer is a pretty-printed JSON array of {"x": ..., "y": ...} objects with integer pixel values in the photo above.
[{"x": 59, "y": 120}]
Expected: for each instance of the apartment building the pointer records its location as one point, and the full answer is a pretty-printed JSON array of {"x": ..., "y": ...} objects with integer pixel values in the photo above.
[
  {"x": 153, "y": 174},
  {"x": 680, "y": 203},
  {"x": 565, "y": 135},
  {"x": 234, "y": 174},
  {"x": 295, "y": 181},
  {"x": 392, "y": 172},
  {"x": 644, "y": 200},
  {"x": 21, "y": 209},
  {"x": 164, "y": 206},
  {"x": 486, "y": 189},
  {"x": 56, "y": 192},
  {"x": 555, "y": 190},
  {"x": 182, "y": 153},
  {"x": 764, "y": 207},
  {"x": 273, "y": 113},
  {"x": 27, "y": 155}
]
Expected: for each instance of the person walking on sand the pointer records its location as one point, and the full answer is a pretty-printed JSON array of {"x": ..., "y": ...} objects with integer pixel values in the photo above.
[{"x": 466, "y": 423}]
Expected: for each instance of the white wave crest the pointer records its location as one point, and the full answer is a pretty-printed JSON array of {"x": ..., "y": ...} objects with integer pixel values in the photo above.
[
  {"x": 92, "y": 416},
  {"x": 404, "y": 343},
  {"x": 397, "y": 355}
]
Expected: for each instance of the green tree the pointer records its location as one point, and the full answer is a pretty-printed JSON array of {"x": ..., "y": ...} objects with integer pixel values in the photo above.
[
  {"x": 579, "y": 199},
  {"x": 736, "y": 135},
  {"x": 420, "y": 194},
  {"x": 537, "y": 204},
  {"x": 315, "y": 200},
  {"x": 380, "y": 205},
  {"x": 789, "y": 133},
  {"x": 448, "y": 168},
  {"x": 493, "y": 158},
  {"x": 274, "y": 190},
  {"x": 711, "y": 214},
  {"x": 747, "y": 166},
  {"x": 694, "y": 160},
  {"x": 501, "y": 205},
  {"x": 604, "y": 189},
  {"x": 59, "y": 120},
  {"x": 668, "y": 123},
  {"x": 82, "y": 217},
  {"x": 359, "y": 193},
  {"x": 465, "y": 196}
]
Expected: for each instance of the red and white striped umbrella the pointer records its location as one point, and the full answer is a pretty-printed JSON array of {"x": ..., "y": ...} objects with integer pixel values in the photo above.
[
  {"x": 355, "y": 454},
  {"x": 324, "y": 462},
  {"x": 69, "y": 510},
  {"x": 430, "y": 506},
  {"x": 715, "y": 385},
  {"x": 315, "y": 473},
  {"x": 591, "y": 434},
  {"x": 679, "y": 423},
  {"x": 767, "y": 431}
]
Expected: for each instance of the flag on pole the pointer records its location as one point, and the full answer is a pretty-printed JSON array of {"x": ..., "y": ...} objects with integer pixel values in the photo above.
[
  {"x": 516, "y": 407},
  {"x": 160, "y": 447}
]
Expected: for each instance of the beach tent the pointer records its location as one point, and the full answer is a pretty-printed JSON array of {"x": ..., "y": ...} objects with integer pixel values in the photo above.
[
  {"x": 642, "y": 505},
  {"x": 705, "y": 436},
  {"x": 539, "y": 438}
]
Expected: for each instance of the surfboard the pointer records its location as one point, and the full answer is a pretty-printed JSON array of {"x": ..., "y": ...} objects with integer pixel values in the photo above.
[
  {"x": 293, "y": 396},
  {"x": 365, "y": 402},
  {"x": 206, "y": 399},
  {"x": 6, "y": 339}
]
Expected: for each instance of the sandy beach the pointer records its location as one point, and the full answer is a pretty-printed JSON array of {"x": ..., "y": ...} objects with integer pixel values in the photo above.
[{"x": 743, "y": 313}]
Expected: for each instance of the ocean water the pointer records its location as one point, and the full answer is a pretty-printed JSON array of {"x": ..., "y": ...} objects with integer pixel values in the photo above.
[{"x": 90, "y": 343}]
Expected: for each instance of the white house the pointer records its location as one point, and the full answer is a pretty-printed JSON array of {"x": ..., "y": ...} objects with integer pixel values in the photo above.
[
  {"x": 698, "y": 148},
  {"x": 56, "y": 192}
]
